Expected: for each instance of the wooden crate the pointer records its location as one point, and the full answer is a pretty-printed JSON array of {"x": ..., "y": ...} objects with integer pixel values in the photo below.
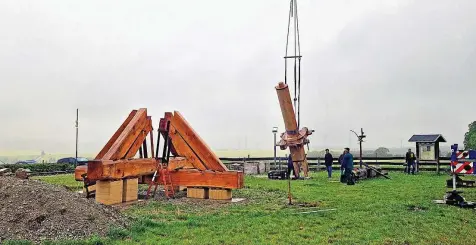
[
  {"x": 109, "y": 192},
  {"x": 219, "y": 194},
  {"x": 197, "y": 192},
  {"x": 130, "y": 190}
]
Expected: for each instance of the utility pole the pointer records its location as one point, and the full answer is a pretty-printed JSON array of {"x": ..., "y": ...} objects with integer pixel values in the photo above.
[
  {"x": 360, "y": 139},
  {"x": 77, "y": 127}
]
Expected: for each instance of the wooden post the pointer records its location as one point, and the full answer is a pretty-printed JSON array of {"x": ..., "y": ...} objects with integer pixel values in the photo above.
[
  {"x": 417, "y": 167},
  {"x": 437, "y": 157},
  {"x": 152, "y": 143}
]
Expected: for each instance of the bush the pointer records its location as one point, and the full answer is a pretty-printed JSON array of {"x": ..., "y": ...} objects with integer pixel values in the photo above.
[{"x": 40, "y": 167}]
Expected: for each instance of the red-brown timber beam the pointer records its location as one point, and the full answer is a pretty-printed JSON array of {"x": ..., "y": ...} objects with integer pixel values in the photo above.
[
  {"x": 127, "y": 137},
  {"x": 195, "y": 142},
  {"x": 113, "y": 139},
  {"x": 196, "y": 178}
]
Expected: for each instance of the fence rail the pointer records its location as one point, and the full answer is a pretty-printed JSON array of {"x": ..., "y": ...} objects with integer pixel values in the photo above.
[
  {"x": 51, "y": 173},
  {"x": 317, "y": 163},
  {"x": 356, "y": 159}
]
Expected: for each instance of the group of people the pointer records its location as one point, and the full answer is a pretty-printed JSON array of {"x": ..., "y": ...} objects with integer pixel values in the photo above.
[{"x": 346, "y": 160}]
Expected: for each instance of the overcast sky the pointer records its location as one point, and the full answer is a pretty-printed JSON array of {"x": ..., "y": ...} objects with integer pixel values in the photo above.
[{"x": 394, "y": 68}]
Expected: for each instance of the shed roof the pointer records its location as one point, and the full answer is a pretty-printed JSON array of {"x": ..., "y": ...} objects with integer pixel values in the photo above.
[{"x": 427, "y": 138}]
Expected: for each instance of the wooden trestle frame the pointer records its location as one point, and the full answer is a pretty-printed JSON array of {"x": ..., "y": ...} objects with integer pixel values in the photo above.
[{"x": 192, "y": 164}]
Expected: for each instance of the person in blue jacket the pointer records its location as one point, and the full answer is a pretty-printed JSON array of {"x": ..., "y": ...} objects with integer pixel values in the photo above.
[{"x": 348, "y": 165}]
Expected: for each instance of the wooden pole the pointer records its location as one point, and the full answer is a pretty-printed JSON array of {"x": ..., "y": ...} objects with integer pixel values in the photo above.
[
  {"x": 360, "y": 158},
  {"x": 152, "y": 143},
  {"x": 77, "y": 128},
  {"x": 417, "y": 167},
  {"x": 289, "y": 190},
  {"x": 437, "y": 153}
]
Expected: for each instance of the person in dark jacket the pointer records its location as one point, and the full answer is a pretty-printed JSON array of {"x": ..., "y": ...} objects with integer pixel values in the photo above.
[
  {"x": 328, "y": 163},
  {"x": 290, "y": 166},
  {"x": 341, "y": 162},
  {"x": 348, "y": 165},
  {"x": 410, "y": 160}
]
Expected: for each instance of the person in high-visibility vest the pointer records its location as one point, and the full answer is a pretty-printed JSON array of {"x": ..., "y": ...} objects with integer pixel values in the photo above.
[{"x": 410, "y": 160}]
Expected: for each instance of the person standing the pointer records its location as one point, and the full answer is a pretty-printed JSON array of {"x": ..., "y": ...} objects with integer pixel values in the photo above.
[
  {"x": 410, "y": 160},
  {"x": 341, "y": 163},
  {"x": 348, "y": 165},
  {"x": 290, "y": 166},
  {"x": 328, "y": 163}
]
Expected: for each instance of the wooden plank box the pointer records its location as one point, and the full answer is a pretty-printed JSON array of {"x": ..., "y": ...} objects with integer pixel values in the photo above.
[
  {"x": 130, "y": 190},
  {"x": 219, "y": 194},
  {"x": 109, "y": 192},
  {"x": 197, "y": 192}
]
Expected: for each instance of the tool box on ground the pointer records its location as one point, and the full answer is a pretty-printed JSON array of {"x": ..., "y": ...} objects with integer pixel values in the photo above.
[{"x": 277, "y": 174}]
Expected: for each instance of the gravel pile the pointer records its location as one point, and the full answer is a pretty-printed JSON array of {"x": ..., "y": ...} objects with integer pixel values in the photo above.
[{"x": 37, "y": 211}]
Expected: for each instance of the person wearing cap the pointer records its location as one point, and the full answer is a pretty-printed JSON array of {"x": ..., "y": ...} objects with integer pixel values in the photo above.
[{"x": 328, "y": 163}]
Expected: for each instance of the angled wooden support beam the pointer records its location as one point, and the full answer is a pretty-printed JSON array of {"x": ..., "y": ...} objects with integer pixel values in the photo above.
[
  {"x": 111, "y": 141},
  {"x": 139, "y": 140},
  {"x": 136, "y": 145},
  {"x": 127, "y": 137},
  {"x": 182, "y": 149},
  {"x": 196, "y": 143}
]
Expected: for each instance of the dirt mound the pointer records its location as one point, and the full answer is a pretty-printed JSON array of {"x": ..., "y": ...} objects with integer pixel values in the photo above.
[{"x": 36, "y": 211}]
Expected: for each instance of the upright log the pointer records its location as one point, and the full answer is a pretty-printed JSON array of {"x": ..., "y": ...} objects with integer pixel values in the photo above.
[{"x": 293, "y": 137}]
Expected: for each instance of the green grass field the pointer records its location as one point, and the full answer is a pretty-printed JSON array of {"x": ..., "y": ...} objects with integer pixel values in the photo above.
[{"x": 377, "y": 211}]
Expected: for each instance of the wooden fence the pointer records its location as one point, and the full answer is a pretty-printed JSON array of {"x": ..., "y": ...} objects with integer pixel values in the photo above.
[{"x": 317, "y": 163}]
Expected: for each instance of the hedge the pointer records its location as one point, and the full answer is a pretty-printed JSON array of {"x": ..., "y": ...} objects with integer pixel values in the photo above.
[{"x": 40, "y": 167}]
